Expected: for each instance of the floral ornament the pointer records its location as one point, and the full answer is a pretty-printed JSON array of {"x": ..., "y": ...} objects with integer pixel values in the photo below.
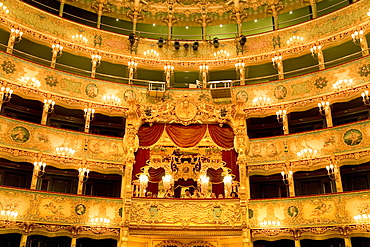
[
  {"x": 8, "y": 67},
  {"x": 364, "y": 70},
  {"x": 203, "y": 97},
  {"x": 321, "y": 82},
  {"x": 52, "y": 81}
]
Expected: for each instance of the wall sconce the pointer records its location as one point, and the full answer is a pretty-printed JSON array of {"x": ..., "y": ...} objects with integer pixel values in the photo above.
[
  {"x": 280, "y": 114},
  {"x": 239, "y": 66},
  {"x": 151, "y": 54},
  {"x": 331, "y": 171},
  {"x": 242, "y": 40},
  {"x": 228, "y": 180},
  {"x": 167, "y": 182},
  {"x": 49, "y": 105},
  {"x": 204, "y": 180},
  {"x": 17, "y": 34},
  {"x": 96, "y": 60},
  {"x": 101, "y": 222},
  {"x": 315, "y": 51},
  {"x": 307, "y": 153},
  {"x": 65, "y": 151},
  {"x": 357, "y": 36},
  {"x": 270, "y": 224},
  {"x": 8, "y": 215},
  {"x": 186, "y": 45},
  {"x": 177, "y": 45},
  {"x": 3, "y": 9},
  {"x": 203, "y": 68},
  {"x": 5, "y": 94},
  {"x": 261, "y": 101},
  {"x": 362, "y": 218},
  {"x": 79, "y": 38},
  {"x": 111, "y": 100},
  {"x": 160, "y": 42},
  {"x": 83, "y": 174},
  {"x": 143, "y": 183},
  {"x": 31, "y": 82},
  {"x": 322, "y": 107},
  {"x": 276, "y": 61},
  {"x": 39, "y": 168},
  {"x": 215, "y": 42},
  {"x": 195, "y": 45},
  {"x": 287, "y": 177},
  {"x": 365, "y": 98},
  {"x": 89, "y": 113},
  {"x": 368, "y": 12},
  {"x": 131, "y": 66},
  {"x": 56, "y": 52},
  {"x": 221, "y": 55}
]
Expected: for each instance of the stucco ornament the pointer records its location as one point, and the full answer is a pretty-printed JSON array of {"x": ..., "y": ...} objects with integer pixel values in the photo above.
[{"x": 185, "y": 110}]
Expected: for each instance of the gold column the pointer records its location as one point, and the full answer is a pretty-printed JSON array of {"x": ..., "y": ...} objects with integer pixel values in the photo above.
[
  {"x": 47, "y": 108},
  {"x": 61, "y": 8},
  {"x": 74, "y": 242},
  {"x": 321, "y": 60},
  {"x": 14, "y": 37},
  {"x": 35, "y": 177},
  {"x": 328, "y": 117},
  {"x": 347, "y": 241},
  {"x": 23, "y": 242}
]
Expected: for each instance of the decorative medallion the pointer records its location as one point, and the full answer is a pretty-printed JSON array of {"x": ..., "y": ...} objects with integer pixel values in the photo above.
[
  {"x": 321, "y": 82},
  {"x": 242, "y": 96},
  {"x": 364, "y": 70},
  {"x": 8, "y": 67},
  {"x": 92, "y": 90},
  {"x": 250, "y": 213},
  {"x": 51, "y": 81},
  {"x": 293, "y": 211},
  {"x": 352, "y": 137},
  {"x": 185, "y": 110},
  {"x": 20, "y": 134},
  {"x": 80, "y": 209},
  {"x": 129, "y": 95},
  {"x": 217, "y": 212},
  {"x": 153, "y": 211},
  {"x": 280, "y": 92}
]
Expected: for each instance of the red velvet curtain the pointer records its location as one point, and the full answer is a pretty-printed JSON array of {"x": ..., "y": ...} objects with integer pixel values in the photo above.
[
  {"x": 186, "y": 136},
  {"x": 141, "y": 156},
  {"x": 148, "y": 136},
  {"x": 155, "y": 175},
  {"x": 222, "y": 136},
  {"x": 230, "y": 157}
]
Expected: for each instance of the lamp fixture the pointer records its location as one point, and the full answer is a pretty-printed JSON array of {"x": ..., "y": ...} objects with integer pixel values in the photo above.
[
  {"x": 167, "y": 182},
  {"x": 315, "y": 51},
  {"x": 228, "y": 180},
  {"x": 5, "y": 94},
  {"x": 143, "y": 184},
  {"x": 307, "y": 153},
  {"x": 215, "y": 42},
  {"x": 96, "y": 60},
  {"x": 368, "y": 12},
  {"x": 357, "y": 36},
  {"x": 111, "y": 100},
  {"x": 177, "y": 45},
  {"x": 322, "y": 106},
  {"x": 56, "y": 52},
  {"x": 151, "y": 54},
  {"x": 195, "y": 45},
  {"x": 295, "y": 41},
  {"x": 242, "y": 40},
  {"x": 100, "y": 221},
  {"x": 287, "y": 177},
  {"x": 365, "y": 98},
  {"x": 342, "y": 84},
  {"x": 239, "y": 66},
  {"x": 3, "y": 9},
  {"x": 83, "y": 174},
  {"x": 8, "y": 215},
  {"x": 261, "y": 101},
  {"x": 203, "y": 68},
  {"x": 17, "y": 34},
  {"x": 132, "y": 38},
  {"x": 65, "y": 151},
  {"x": 49, "y": 105},
  {"x": 79, "y": 38},
  {"x": 204, "y": 180},
  {"x": 363, "y": 218},
  {"x": 39, "y": 168},
  {"x": 168, "y": 68},
  {"x": 221, "y": 55},
  {"x": 160, "y": 42},
  {"x": 89, "y": 112},
  {"x": 280, "y": 115},
  {"x": 269, "y": 223},
  {"x": 276, "y": 60},
  {"x": 331, "y": 171},
  {"x": 31, "y": 82}
]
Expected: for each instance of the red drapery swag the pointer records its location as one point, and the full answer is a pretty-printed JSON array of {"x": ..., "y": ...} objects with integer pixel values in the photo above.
[
  {"x": 186, "y": 136},
  {"x": 222, "y": 136},
  {"x": 148, "y": 136}
]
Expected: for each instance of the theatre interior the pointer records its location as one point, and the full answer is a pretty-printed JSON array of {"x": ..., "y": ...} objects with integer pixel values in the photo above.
[{"x": 184, "y": 123}]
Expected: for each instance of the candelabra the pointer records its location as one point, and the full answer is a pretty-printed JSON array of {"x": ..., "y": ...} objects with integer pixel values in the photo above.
[
  {"x": 240, "y": 70},
  {"x": 331, "y": 171},
  {"x": 261, "y": 101},
  {"x": 280, "y": 115},
  {"x": 131, "y": 66},
  {"x": 49, "y": 105},
  {"x": 143, "y": 184},
  {"x": 270, "y": 223},
  {"x": 276, "y": 61},
  {"x": 5, "y": 94},
  {"x": 365, "y": 98},
  {"x": 89, "y": 116},
  {"x": 287, "y": 177},
  {"x": 65, "y": 151},
  {"x": 307, "y": 153},
  {"x": 8, "y": 215},
  {"x": 83, "y": 174},
  {"x": 56, "y": 52},
  {"x": 79, "y": 38},
  {"x": 362, "y": 218},
  {"x": 295, "y": 41},
  {"x": 101, "y": 222},
  {"x": 3, "y": 9},
  {"x": 204, "y": 180},
  {"x": 323, "y": 107},
  {"x": 95, "y": 61},
  {"x": 111, "y": 100},
  {"x": 357, "y": 36},
  {"x": 151, "y": 54},
  {"x": 342, "y": 84},
  {"x": 30, "y": 82},
  {"x": 15, "y": 37},
  {"x": 368, "y": 12},
  {"x": 167, "y": 182},
  {"x": 39, "y": 168},
  {"x": 316, "y": 51},
  {"x": 168, "y": 70},
  {"x": 228, "y": 180}
]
